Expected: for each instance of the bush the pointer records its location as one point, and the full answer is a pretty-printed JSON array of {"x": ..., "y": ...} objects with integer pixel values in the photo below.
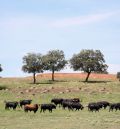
[{"x": 118, "y": 75}]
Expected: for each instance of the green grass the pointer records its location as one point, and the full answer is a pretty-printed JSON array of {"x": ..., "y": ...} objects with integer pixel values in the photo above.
[{"x": 10, "y": 89}]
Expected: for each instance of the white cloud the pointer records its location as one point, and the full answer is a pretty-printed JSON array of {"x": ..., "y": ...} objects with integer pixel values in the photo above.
[
  {"x": 82, "y": 20},
  {"x": 29, "y": 21}
]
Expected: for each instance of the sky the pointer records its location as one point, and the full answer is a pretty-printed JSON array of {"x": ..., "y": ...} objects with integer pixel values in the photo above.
[{"x": 69, "y": 25}]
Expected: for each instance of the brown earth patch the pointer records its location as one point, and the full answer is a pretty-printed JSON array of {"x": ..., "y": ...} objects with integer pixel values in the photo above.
[
  {"x": 59, "y": 90},
  {"x": 78, "y": 75}
]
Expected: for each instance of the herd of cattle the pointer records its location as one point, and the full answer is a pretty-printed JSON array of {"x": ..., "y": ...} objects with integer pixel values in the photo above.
[{"x": 70, "y": 104}]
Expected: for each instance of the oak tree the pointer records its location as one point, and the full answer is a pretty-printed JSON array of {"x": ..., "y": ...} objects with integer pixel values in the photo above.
[
  {"x": 89, "y": 61},
  {"x": 54, "y": 60},
  {"x": 33, "y": 64}
]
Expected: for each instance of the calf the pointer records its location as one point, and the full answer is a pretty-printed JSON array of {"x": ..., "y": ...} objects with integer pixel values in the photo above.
[
  {"x": 76, "y": 106},
  {"x": 49, "y": 107},
  {"x": 12, "y": 105},
  {"x": 31, "y": 107},
  {"x": 93, "y": 107},
  {"x": 24, "y": 102},
  {"x": 115, "y": 106}
]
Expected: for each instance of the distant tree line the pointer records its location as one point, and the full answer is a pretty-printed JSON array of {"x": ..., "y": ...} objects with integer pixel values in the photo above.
[{"x": 86, "y": 60}]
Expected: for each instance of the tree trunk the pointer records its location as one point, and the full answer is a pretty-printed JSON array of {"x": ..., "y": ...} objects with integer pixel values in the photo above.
[
  {"x": 53, "y": 74},
  {"x": 34, "y": 79},
  {"x": 86, "y": 80}
]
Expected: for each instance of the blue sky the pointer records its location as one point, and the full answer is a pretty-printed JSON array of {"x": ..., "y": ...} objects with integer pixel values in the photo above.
[{"x": 69, "y": 25}]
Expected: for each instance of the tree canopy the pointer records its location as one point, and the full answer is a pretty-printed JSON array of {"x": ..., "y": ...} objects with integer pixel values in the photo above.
[
  {"x": 54, "y": 60},
  {"x": 1, "y": 68},
  {"x": 33, "y": 64},
  {"x": 89, "y": 61}
]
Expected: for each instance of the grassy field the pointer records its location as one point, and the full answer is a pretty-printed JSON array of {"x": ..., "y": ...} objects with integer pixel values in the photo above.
[{"x": 15, "y": 89}]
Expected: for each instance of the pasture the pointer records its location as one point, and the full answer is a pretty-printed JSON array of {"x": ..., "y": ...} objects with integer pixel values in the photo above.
[{"x": 15, "y": 89}]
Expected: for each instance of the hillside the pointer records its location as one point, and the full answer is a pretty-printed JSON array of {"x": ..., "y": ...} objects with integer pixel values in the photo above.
[{"x": 78, "y": 75}]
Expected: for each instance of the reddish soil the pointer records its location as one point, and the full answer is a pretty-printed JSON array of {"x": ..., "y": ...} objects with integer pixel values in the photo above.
[{"x": 78, "y": 75}]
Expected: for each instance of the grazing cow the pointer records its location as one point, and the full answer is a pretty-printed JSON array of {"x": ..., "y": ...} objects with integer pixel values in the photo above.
[
  {"x": 24, "y": 102},
  {"x": 76, "y": 106},
  {"x": 112, "y": 106},
  {"x": 12, "y": 105},
  {"x": 66, "y": 104},
  {"x": 115, "y": 106},
  {"x": 93, "y": 107},
  {"x": 49, "y": 107},
  {"x": 57, "y": 101},
  {"x": 31, "y": 107},
  {"x": 103, "y": 104}
]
